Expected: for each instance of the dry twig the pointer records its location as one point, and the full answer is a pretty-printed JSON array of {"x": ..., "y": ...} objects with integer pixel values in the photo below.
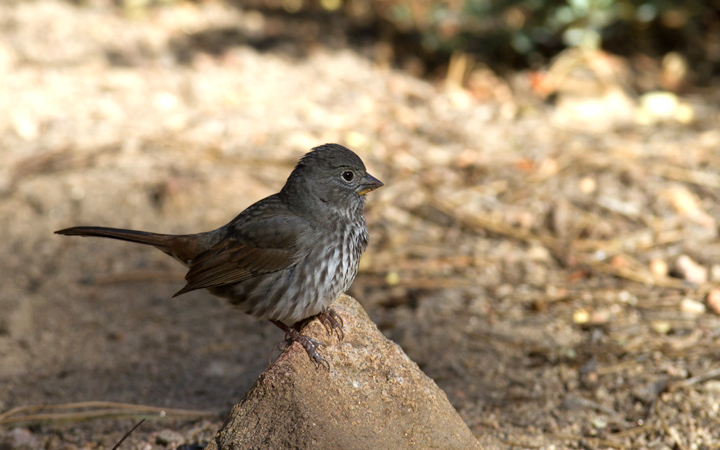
[{"x": 91, "y": 410}]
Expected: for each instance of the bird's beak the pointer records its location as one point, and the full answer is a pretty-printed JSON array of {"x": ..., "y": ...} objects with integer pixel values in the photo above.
[{"x": 368, "y": 183}]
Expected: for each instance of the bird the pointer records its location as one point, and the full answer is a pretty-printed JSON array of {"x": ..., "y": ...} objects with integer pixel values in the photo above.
[{"x": 285, "y": 258}]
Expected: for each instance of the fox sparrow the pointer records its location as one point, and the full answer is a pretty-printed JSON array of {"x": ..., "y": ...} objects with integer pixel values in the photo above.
[{"x": 286, "y": 257}]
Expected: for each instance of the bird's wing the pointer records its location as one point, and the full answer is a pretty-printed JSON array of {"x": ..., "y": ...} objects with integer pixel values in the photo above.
[{"x": 260, "y": 246}]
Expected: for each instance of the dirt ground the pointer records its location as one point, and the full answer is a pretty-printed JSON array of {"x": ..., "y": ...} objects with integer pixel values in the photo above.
[{"x": 555, "y": 274}]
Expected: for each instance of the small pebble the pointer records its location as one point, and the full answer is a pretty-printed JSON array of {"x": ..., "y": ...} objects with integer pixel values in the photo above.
[
  {"x": 659, "y": 268},
  {"x": 713, "y": 300},
  {"x": 649, "y": 392},
  {"x": 660, "y": 326},
  {"x": 25, "y": 126},
  {"x": 626, "y": 297},
  {"x": 619, "y": 262},
  {"x": 504, "y": 290},
  {"x": 715, "y": 273},
  {"x": 600, "y": 317},
  {"x": 539, "y": 253},
  {"x": 20, "y": 438},
  {"x": 659, "y": 104},
  {"x": 692, "y": 307},
  {"x": 712, "y": 386},
  {"x": 683, "y": 200},
  {"x": 684, "y": 113},
  {"x": 581, "y": 316},
  {"x": 168, "y": 437},
  {"x": 588, "y": 185},
  {"x": 392, "y": 278},
  {"x": 690, "y": 270},
  {"x": 556, "y": 293}
]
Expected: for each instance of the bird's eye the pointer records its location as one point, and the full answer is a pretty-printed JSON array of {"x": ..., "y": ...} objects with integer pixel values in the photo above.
[{"x": 348, "y": 176}]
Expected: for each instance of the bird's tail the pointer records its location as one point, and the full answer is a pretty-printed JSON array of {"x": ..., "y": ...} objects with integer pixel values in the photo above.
[
  {"x": 141, "y": 237},
  {"x": 184, "y": 247}
]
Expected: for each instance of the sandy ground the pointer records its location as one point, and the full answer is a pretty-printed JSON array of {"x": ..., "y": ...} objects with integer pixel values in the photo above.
[{"x": 506, "y": 248}]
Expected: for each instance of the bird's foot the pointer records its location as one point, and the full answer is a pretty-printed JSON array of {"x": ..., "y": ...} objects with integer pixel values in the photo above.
[
  {"x": 309, "y": 344},
  {"x": 331, "y": 320}
]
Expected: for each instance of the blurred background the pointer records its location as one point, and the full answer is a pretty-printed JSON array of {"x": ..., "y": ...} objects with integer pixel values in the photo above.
[{"x": 545, "y": 246}]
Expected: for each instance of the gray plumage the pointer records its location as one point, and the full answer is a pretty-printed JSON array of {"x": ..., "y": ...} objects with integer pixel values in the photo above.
[{"x": 286, "y": 257}]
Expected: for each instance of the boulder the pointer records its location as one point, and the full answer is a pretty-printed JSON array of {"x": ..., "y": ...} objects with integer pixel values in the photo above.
[{"x": 372, "y": 397}]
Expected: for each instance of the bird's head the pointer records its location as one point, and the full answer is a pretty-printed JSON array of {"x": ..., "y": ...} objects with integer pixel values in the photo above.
[{"x": 333, "y": 176}]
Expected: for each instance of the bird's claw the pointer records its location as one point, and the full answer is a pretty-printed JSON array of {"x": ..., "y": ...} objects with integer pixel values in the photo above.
[
  {"x": 331, "y": 320},
  {"x": 292, "y": 334},
  {"x": 309, "y": 344}
]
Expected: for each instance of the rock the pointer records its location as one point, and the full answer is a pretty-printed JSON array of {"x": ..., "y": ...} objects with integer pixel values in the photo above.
[
  {"x": 649, "y": 392},
  {"x": 684, "y": 201},
  {"x": 690, "y": 270},
  {"x": 713, "y": 300},
  {"x": 20, "y": 439},
  {"x": 692, "y": 307},
  {"x": 581, "y": 316},
  {"x": 659, "y": 268},
  {"x": 588, "y": 185},
  {"x": 169, "y": 437},
  {"x": 661, "y": 326},
  {"x": 373, "y": 396}
]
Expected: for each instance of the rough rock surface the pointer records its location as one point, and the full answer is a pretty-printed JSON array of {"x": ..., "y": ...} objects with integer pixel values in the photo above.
[{"x": 373, "y": 396}]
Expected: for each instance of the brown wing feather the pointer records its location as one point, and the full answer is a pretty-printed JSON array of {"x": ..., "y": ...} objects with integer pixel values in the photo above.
[
  {"x": 231, "y": 262},
  {"x": 268, "y": 247}
]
